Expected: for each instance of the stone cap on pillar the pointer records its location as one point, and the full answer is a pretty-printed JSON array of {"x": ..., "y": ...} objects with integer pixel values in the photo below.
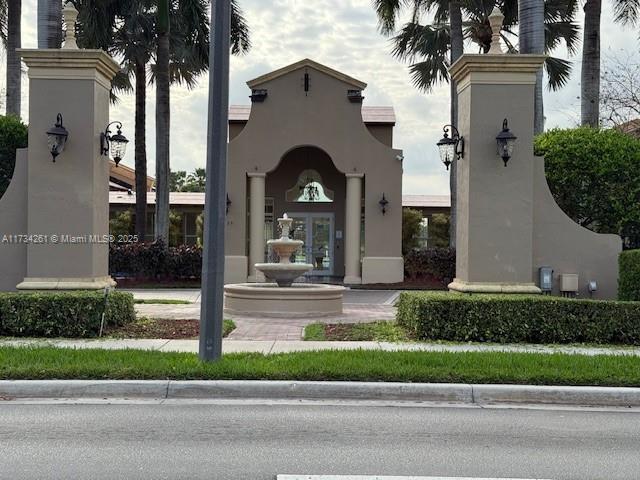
[
  {"x": 496, "y": 69},
  {"x": 70, "y": 64}
]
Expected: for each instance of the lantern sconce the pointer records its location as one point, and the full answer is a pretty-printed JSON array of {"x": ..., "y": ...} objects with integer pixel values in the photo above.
[
  {"x": 505, "y": 140},
  {"x": 451, "y": 147},
  {"x": 383, "y": 204},
  {"x": 57, "y": 138},
  {"x": 117, "y": 143},
  {"x": 228, "y": 203}
]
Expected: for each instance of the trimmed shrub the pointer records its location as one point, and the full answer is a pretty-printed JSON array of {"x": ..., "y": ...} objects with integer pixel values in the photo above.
[
  {"x": 154, "y": 261},
  {"x": 13, "y": 135},
  {"x": 629, "y": 282},
  {"x": 62, "y": 314},
  {"x": 430, "y": 264},
  {"x": 518, "y": 318}
]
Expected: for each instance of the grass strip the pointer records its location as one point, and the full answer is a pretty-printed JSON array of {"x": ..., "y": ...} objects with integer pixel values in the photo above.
[
  {"x": 357, "y": 365},
  {"x": 160, "y": 301},
  {"x": 382, "y": 331}
]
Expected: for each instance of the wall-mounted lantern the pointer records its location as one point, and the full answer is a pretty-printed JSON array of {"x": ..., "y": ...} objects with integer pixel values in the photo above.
[
  {"x": 451, "y": 147},
  {"x": 506, "y": 140},
  {"x": 57, "y": 138},
  {"x": 258, "y": 95},
  {"x": 383, "y": 204},
  {"x": 117, "y": 143},
  {"x": 228, "y": 203},
  {"x": 355, "y": 96}
]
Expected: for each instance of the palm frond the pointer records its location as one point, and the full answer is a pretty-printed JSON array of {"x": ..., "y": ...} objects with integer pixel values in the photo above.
[
  {"x": 556, "y": 32},
  {"x": 558, "y": 70},
  {"x": 626, "y": 12}
]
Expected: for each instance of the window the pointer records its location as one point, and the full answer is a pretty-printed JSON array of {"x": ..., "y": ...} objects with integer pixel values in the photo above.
[{"x": 309, "y": 189}]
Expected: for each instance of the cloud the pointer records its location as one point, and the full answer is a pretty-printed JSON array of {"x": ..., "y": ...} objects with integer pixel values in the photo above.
[{"x": 342, "y": 34}]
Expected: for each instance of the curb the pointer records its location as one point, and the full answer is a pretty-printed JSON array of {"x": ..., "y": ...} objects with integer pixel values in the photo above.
[{"x": 292, "y": 390}]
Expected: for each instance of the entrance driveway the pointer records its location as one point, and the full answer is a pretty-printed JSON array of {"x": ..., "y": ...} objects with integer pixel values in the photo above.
[{"x": 360, "y": 306}]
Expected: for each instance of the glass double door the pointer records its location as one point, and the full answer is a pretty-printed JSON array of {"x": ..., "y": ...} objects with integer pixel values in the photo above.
[{"x": 316, "y": 231}]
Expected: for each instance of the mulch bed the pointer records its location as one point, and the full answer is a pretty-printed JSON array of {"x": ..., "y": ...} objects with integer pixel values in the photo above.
[{"x": 158, "y": 328}]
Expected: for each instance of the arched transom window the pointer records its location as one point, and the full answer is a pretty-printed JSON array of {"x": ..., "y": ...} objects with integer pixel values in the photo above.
[{"x": 309, "y": 189}]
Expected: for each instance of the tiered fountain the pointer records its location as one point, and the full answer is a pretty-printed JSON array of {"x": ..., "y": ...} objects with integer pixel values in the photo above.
[{"x": 280, "y": 297}]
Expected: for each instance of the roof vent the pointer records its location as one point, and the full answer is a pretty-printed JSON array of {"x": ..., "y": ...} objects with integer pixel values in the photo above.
[
  {"x": 355, "y": 96},
  {"x": 258, "y": 95}
]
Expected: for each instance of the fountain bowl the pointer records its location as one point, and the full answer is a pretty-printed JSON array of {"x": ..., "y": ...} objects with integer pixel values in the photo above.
[
  {"x": 301, "y": 300},
  {"x": 283, "y": 273}
]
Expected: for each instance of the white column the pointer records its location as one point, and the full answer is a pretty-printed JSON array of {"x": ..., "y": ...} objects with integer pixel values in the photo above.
[
  {"x": 256, "y": 224},
  {"x": 352, "y": 229}
]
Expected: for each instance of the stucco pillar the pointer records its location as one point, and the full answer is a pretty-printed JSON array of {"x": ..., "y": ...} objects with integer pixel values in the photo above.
[
  {"x": 256, "y": 225},
  {"x": 68, "y": 201},
  {"x": 352, "y": 273},
  {"x": 495, "y": 225}
]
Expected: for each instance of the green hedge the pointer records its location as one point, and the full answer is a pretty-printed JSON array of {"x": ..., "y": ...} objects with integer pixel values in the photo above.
[
  {"x": 518, "y": 318},
  {"x": 62, "y": 314},
  {"x": 629, "y": 282}
]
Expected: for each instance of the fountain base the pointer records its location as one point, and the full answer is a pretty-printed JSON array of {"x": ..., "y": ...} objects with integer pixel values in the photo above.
[{"x": 301, "y": 300}]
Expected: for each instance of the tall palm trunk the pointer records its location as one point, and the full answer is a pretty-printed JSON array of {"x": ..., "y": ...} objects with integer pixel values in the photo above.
[
  {"x": 590, "y": 81},
  {"x": 141, "y": 150},
  {"x": 457, "y": 49},
  {"x": 14, "y": 67},
  {"x": 531, "y": 36},
  {"x": 49, "y": 23},
  {"x": 163, "y": 117}
]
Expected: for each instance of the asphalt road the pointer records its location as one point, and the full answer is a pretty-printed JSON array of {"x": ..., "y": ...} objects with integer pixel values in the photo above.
[{"x": 258, "y": 441}]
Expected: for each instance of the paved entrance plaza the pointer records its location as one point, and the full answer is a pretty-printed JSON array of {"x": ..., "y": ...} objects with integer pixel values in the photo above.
[{"x": 360, "y": 306}]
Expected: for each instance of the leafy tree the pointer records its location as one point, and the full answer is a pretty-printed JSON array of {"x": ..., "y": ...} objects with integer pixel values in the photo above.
[
  {"x": 13, "y": 135},
  {"x": 439, "y": 230},
  {"x": 594, "y": 176},
  {"x": 193, "y": 182},
  {"x": 411, "y": 228},
  {"x": 122, "y": 223}
]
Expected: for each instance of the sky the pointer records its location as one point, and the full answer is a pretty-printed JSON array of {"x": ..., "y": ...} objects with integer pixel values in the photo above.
[{"x": 341, "y": 34}]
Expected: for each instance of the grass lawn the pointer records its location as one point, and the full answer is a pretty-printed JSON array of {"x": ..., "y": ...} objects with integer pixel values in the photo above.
[
  {"x": 383, "y": 331},
  {"x": 358, "y": 365},
  {"x": 164, "y": 328},
  {"x": 160, "y": 301}
]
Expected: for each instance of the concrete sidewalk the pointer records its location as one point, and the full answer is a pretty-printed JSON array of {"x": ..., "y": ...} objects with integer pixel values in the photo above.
[{"x": 284, "y": 346}]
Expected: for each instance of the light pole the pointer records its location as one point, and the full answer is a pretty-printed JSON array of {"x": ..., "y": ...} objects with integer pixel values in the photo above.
[{"x": 215, "y": 196}]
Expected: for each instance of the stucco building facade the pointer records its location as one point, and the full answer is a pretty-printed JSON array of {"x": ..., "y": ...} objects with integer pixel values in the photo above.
[{"x": 307, "y": 147}]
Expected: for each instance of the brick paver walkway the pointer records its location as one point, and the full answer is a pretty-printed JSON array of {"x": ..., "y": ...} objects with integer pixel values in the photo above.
[{"x": 360, "y": 307}]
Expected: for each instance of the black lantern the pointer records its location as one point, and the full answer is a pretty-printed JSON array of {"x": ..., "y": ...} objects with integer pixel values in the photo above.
[
  {"x": 57, "y": 137},
  {"x": 506, "y": 140},
  {"x": 228, "y": 203},
  {"x": 383, "y": 204},
  {"x": 117, "y": 142},
  {"x": 451, "y": 147}
]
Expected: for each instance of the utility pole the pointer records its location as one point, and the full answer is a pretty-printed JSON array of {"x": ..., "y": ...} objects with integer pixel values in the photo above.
[{"x": 215, "y": 197}]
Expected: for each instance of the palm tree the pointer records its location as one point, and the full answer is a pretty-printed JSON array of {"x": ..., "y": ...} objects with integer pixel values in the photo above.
[
  {"x": 128, "y": 29},
  {"x": 12, "y": 38},
  {"x": 531, "y": 14},
  {"x": 182, "y": 55},
  {"x": 49, "y": 23},
  {"x": 426, "y": 46},
  {"x": 627, "y": 12},
  {"x": 388, "y": 11}
]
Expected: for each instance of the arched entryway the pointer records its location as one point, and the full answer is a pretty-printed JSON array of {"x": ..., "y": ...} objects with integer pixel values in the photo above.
[{"x": 309, "y": 188}]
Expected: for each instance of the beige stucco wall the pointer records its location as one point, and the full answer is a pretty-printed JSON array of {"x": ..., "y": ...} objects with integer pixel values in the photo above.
[
  {"x": 326, "y": 119},
  {"x": 286, "y": 176},
  {"x": 13, "y": 221},
  {"x": 567, "y": 247},
  {"x": 508, "y": 222}
]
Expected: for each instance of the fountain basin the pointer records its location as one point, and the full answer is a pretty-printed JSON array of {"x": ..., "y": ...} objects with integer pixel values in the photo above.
[
  {"x": 283, "y": 273},
  {"x": 269, "y": 300}
]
